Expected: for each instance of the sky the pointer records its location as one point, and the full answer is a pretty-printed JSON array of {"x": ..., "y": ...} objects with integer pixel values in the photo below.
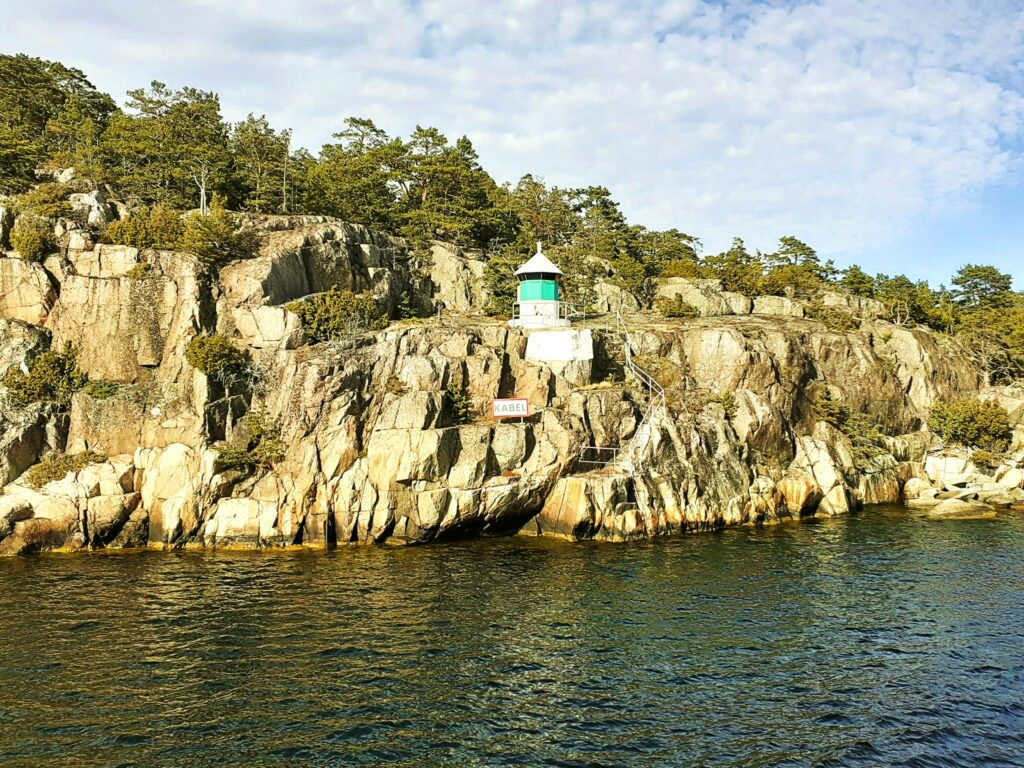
[{"x": 887, "y": 133}]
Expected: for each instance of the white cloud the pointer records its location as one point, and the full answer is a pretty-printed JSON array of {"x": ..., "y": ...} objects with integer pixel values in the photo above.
[{"x": 840, "y": 120}]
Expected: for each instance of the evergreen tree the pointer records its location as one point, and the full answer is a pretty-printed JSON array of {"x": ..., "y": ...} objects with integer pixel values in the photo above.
[
  {"x": 357, "y": 178},
  {"x": 981, "y": 286},
  {"x": 261, "y": 158},
  {"x": 172, "y": 147},
  {"x": 35, "y": 95},
  {"x": 857, "y": 282}
]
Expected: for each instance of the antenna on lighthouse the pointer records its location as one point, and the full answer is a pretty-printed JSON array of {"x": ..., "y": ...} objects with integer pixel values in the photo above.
[{"x": 538, "y": 247}]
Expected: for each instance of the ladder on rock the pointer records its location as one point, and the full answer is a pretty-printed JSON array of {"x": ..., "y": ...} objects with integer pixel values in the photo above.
[{"x": 633, "y": 454}]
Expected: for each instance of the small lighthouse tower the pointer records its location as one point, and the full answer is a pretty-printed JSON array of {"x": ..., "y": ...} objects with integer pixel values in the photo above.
[{"x": 539, "y": 294}]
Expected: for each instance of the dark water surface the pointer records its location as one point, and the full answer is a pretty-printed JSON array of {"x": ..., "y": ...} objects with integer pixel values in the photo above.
[{"x": 881, "y": 639}]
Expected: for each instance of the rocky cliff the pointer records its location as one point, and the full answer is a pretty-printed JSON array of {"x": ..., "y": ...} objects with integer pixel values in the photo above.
[{"x": 373, "y": 447}]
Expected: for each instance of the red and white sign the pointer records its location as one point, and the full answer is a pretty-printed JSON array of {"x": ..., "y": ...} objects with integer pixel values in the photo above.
[{"x": 510, "y": 408}]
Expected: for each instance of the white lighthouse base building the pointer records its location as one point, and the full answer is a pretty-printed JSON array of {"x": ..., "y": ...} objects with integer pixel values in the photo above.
[{"x": 569, "y": 353}]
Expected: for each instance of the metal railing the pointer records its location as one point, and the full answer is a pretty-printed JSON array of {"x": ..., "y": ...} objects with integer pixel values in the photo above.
[
  {"x": 635, "y": 449},
  {"x": 566, "y": 311}
]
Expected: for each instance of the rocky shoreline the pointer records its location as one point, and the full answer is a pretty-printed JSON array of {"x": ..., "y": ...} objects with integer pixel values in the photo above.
[{"x": 373, "y": 449}]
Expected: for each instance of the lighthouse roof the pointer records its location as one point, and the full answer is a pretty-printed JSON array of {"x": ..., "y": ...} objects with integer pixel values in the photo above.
[{"x": 539, "y": 264}]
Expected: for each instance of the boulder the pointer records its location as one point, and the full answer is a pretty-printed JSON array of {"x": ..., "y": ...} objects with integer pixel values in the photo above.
[
  {"x": 457, "y": 279},
  {"x": 948, "y": 470},
  {"x": 107, "y": 515},
  {"x": 1010, "y": 477},
  {"x": 956, "y": 509},
  {"x": 703, "y": 295},
  {"x": 26, "y": 292},
  {"x": 780, "y": 306},
  {"x": 94, "y": 207},
  {"x": 20, "y": 342},
  {"x": 105, "y": 260},
  {"x": 826, "y": 458},
  {"x": 25, "y": 435},
  {"x": 612, "y": 298},
  {"x": 266, "y": 327},
  {"x": 857, "y": 305},
  {"x": 916, "y": 488}
]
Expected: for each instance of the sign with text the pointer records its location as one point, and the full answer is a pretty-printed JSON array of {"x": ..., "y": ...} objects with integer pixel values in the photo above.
[{"x": 515, "y": 407}]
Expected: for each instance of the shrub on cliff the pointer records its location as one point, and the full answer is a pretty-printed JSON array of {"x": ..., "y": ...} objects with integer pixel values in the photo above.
[
  {"x": 217, "y": 237},
  {"x": 32, "y": 237},
  {"x": 797, "y": 280},
  {"x": 55, "y": 465},
  {"x": 974, "y": 423},
  {"x": 461, "y": 404},
  {"x": 52, "y": 377},
  {"x": 834, "y": 318},
  {"x": 214, "y": 354},
  {"x": 867, "y": 441},
  {"x": 261, "y": 447},
  {"x": 334, "y": 313},
  {"x": 675, "y": 307},
  {"x": 156, "y": 227},
  {"x": 48, "y": 200}
]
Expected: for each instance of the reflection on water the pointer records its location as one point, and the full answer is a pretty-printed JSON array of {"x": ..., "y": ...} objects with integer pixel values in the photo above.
[{"x": 881, "y": 639}]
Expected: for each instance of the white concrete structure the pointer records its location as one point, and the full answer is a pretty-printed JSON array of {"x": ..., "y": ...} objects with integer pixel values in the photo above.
[{"x": 568, "y": 352}]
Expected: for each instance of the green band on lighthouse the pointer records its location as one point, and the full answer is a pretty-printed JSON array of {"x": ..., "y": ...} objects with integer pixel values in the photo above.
[{"x": 538, "y": 290}]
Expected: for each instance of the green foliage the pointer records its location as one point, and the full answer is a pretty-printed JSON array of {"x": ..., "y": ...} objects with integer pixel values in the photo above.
[
  {"x": 32, "y": 237},
  {"x": 500, "y": 281},
  {"x": 461, "y": 404},
  {"x": 336, "y": 313},
  {"x": 987, "y": 459},
  {"x": 737, "y": 269},
  {"x": 668, "y": 251},
  {"x": 994, "y": 339},
  {"x": 101, "y": 390},
  {"x": 261, "y": 157},
  {"x": 974, "y": 423},
  {"x": 835, "y": 319},
  {"x": 214, "y": 353},
  {"x": 261, "y": 447},
  {"x": 728, "y": 402},
  {"x": 49, "y": 200},
  {"x": 170, "y": 146},
  {"x": 796, "y": 253},
  {"x": 52, "y": 377},
  {"x": 867, "y": 441},
  {"x": 795, "y": 280},
  {"x": 406, "y": 305},
  {"x": 911, "y": 302},
  {"x": 982, "y": 287},
  {"x": 691, "y": 270},
  {"x": 140, "y": 271},
  {"x": 675, "y": 307},
  {"x": 857, "y": 282},
  {"x": 356, "y": 178},
  {"x": 217, "y": 238},
  {"x": 56, "y": 465},
  {"x": 159, "y": 226},
  {"x": 46, "y": 109},
  {"x": 425, "y": 189}
]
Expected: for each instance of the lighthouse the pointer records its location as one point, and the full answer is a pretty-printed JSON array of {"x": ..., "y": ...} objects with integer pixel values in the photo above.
[{"x": 539, "y": 294}]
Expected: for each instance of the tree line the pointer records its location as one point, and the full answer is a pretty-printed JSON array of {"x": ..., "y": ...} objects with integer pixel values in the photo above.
[{"x": 170, "y": 150}]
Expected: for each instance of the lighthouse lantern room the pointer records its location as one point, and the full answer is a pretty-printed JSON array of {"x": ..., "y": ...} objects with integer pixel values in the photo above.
[{"x": 539, "y": 294}]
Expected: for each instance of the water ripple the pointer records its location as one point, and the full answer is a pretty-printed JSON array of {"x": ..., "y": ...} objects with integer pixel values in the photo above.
[{"x": 881, "y": 639}]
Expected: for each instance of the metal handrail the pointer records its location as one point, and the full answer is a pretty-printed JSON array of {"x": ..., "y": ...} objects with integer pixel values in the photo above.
[
  {"x": 566, "y": 311},
  {"x": 655, "y": 404}
]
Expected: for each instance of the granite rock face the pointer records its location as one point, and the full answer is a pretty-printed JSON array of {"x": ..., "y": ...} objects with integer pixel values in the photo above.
[{"x": 376, "y": 444}]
